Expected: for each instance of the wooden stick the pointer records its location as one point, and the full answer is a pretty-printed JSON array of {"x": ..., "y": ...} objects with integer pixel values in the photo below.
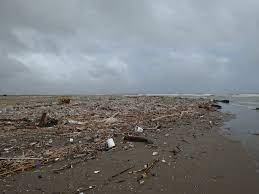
[
  {"x": 67, "y": 166},
  {"x": 151, "y": 166},
  {"x": 122, "y": 171},
  {"x": 117, "y": 113}
]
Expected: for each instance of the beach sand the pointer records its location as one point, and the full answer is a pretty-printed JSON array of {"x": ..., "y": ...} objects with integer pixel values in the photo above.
[{"x": 193, "y": 158}]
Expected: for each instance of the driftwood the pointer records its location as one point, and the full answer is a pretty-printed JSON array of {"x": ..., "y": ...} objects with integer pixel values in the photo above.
[
  {"x": 117, "y": 174},
  {"x": 137, "y": 139},
  {"x": 43, "y": 120},
  {"x": 147, "y": 170},
  {"x": 47, "y": 122}
]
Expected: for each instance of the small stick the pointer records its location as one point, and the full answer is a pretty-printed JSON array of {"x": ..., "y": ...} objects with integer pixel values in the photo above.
[
  {"x": 146, "y": 169},
  {"x": 154, "y": 128},
  {"x": 67, "y": 166},
  {"x": 117, "y": 113},
  {"x": 151, "y": 166},
  {"x": 122, "y": 172},
  {"x": 137, "y": 171}
]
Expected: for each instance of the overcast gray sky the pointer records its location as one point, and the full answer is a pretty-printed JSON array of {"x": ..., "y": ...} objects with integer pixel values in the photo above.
[{"x": 119, "y": 46}]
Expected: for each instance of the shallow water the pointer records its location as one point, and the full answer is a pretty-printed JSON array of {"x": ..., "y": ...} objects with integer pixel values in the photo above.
[{"x": 245, "y": 125}]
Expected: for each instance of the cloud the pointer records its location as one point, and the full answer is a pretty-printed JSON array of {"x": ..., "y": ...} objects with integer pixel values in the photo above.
[{"x": 95, "y": 46}]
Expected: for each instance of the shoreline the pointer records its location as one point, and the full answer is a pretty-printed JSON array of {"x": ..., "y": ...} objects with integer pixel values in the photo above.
[{"x": 193, "y": 156}]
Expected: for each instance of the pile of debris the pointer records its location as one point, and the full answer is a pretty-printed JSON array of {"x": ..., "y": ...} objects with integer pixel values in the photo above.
[{"x": 41, "y": 130}]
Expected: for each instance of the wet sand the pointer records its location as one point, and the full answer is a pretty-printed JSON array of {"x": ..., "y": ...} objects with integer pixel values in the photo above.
[{"x": 205, "y": 163}]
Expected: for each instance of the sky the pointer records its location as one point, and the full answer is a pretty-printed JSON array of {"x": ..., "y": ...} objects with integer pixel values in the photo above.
[{"x": 129, "y": 46}]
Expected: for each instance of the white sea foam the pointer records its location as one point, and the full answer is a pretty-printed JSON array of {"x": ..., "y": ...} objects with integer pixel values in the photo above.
[
  {"x": 175, "y": 94},
  {"x": 244, "y": 95}
]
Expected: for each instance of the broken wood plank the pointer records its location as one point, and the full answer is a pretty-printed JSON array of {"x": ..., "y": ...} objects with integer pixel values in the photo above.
[
  {"x": 43, "y": 120},
  {"x": 137, "y": 139}
]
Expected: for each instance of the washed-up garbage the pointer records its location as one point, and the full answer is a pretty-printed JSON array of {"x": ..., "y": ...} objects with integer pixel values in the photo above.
[
  {"x": 96, "y": 115},
  {"x": 131, "y": 145},
  {"x": 45, "y": 121},
  {"x": 154, "y": 153},
  {"x": 111, "y": 120},
  {"x": 110, "y": 143},
  {"x": 73, "y": 122},
  {"x": 139, "y": 129},
  {"x": 64, "y": 100}
]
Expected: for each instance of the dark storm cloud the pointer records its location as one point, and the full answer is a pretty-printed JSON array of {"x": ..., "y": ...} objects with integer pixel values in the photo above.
[{"x": 56, "y": 46}]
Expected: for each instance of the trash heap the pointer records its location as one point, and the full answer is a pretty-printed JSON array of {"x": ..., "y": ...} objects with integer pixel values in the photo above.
[{"x": 37, "y": 131}]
